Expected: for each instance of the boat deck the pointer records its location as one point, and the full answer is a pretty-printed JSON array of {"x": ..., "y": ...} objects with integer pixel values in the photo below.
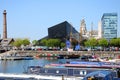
[
  {"x": 4, "y": 76},
  {"x": 77, "y": 72}
]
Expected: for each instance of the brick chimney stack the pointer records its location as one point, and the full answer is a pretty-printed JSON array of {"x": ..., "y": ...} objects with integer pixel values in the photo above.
[{"x": 4, "y": 25}]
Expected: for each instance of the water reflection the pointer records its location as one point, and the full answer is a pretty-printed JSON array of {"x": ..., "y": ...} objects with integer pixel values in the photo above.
[{"x": 20, "y": 66}]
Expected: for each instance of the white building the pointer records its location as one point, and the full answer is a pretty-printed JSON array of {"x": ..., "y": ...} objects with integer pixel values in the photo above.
[{"x": 99, "y": 29}]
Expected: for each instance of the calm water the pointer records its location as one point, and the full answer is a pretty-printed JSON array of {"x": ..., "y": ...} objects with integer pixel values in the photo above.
[{"x": 20, "y": 66}]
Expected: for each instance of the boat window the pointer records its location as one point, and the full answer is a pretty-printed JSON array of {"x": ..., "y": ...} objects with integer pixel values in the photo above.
[
  {"x": 57, "y": 71},
  {"x": 83, "y": 72}
]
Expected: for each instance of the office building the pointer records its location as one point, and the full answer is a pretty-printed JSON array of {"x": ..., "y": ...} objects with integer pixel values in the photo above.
[{"x": 109, "y": 25}]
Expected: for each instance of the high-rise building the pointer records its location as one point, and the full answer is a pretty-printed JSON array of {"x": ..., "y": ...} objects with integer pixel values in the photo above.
[{"x": 109, "y": 25}]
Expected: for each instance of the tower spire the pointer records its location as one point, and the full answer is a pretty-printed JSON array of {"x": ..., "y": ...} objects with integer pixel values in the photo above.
[
  {"x": 91, "y": 29},
  {"x": 83, "y": 29},
  {"x": 4, "y": 25}
]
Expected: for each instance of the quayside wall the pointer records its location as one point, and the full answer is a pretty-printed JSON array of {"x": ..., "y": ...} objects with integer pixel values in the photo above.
[{"x": 114, "y": 54}]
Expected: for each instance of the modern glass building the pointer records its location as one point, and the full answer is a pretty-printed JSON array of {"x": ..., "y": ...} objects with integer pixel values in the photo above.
[
  {"x": 109, "y": 25},
  {"x": 62, "y": 31}
]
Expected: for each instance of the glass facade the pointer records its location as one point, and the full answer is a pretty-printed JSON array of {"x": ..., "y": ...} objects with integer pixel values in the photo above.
[
  {"x": 109, "y": 25},
  {"x": 61, "y": 31}
]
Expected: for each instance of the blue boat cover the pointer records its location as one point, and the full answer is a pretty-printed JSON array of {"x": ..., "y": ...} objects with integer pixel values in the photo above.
[{"x": 101, "y": 75}]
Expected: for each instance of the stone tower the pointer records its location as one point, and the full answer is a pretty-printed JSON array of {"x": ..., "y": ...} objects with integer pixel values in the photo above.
[
  {"x": 4, "y": 25},
  {"x": 83, "y": 29}
]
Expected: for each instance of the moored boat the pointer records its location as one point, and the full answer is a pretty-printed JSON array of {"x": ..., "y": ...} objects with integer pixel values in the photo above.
[
  {"x": 16, "y": 58},
  {"x": 101, "y": 75},
  {"x": 59, "y": 71},
  {"x": 87, "y": 64},
  {"x": 77, "y": 73}
]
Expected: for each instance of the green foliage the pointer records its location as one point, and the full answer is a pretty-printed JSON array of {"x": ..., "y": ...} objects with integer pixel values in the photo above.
[
  {"x": 34, "y": 42},
  {"x": 62, "y": 45},
  {"x": 44, "y": 42},
  {"x": 25, "y": 42},
  {"x": 87, "y": 43},
  {"x": 51, "y": 42},
  {"x": 91, "y": 43},
  {"x": 20, "y": 42},
  {"x": 17, "y": 43},
  {"x": 115, "y": 42},
  {"x": 103, "y": 42}
]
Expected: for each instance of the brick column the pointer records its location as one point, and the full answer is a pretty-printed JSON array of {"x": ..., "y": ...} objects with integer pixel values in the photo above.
[{"x": 4, "y": 25}]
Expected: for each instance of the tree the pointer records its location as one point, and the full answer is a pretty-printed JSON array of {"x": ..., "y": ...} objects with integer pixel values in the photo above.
[
  {"x": 87, "y": 43},
  {"x": 62, "y": 45},
  {"x": 34, "y": 42},
  {"x": 20, "y": 42},
  {"x": 44, "y": 42},
  {"x": 93, "y": 42},
  {"x": 53, "y": 43},
  {"x": 115, "y": 42},
  {"x": 103, "y": 42},
  {"x": 17, "y": 43},
  {"x": 57, "y": 42},
  {"x": 25, "y": 42}
]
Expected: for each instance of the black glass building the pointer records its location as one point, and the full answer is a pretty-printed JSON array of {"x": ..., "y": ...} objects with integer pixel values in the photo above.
[{"x": 61, "y": 30}]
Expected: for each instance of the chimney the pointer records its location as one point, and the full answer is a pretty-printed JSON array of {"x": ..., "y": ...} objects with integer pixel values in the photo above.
[{"x": 4, "y": 25}]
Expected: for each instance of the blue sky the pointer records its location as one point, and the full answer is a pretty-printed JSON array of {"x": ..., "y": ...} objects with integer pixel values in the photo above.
[{"x": 32, "y": 18}]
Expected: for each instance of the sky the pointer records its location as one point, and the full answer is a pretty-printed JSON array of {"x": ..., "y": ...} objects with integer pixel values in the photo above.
[{"x": 32, "y": 18}]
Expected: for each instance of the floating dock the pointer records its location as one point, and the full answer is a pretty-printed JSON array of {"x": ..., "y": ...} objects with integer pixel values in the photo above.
[{"x": 15, "y": 58}]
